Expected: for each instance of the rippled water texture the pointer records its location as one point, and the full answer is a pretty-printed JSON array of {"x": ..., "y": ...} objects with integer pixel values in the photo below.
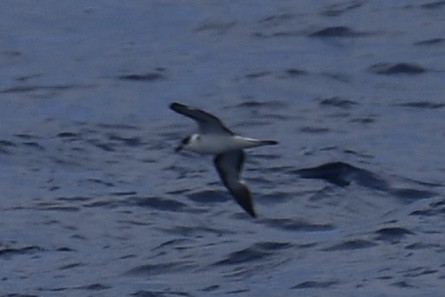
[{"x": 96, "y": 203}]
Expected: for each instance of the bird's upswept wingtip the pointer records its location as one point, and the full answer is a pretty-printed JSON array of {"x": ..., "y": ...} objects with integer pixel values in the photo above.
[{"x": 175, "y": 105}]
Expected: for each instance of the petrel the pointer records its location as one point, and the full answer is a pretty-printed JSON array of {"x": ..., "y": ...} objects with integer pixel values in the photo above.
[{"x": 215, "y": 138}]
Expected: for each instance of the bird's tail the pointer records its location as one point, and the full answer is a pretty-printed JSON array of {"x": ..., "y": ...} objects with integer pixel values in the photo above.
[{"x": 268, "y": 142}]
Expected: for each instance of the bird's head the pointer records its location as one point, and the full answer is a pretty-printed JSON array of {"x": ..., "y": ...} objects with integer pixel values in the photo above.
[{"x": 189, "y": 143}]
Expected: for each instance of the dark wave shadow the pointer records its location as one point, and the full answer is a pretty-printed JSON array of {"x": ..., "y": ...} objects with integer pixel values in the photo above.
[
  {"x": 353, "y": 244},
  {"x": 10, "y": 251},
  {"x": 436, "y": 208},
  {"x": 94, "y": 287},
  {"x": 410, "y": 195},
  {"x": 6, "y": 146},
  {"x": 397, "y": 68},
  {"x": 297, "y": 225},
  {"x": 208, "y": 196},
  {"x": 257, "y": 252},
  {"x": 47, "y": 88},
  {"x": 392, "y": 234},
  {"x": 316, "y": 284},
  {"x": 170, "y": 293},
  {"x": 157, "y": 203},
  {"x": 145, "y": 77},
  {"x": 423, "y": 105},
  {"x": 343, "y": 174},
  {"x": 433, "y": 5},
  {"x": 430, "y": 42},
  {"x": 338, "y": 9},
  {"x": 338, "y": 102},
  {"x": 337, "y": 31},
  {"x": 160, "y": 268}
]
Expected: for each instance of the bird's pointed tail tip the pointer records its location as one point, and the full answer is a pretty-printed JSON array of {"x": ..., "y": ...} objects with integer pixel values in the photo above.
[{"x": 270, "y": 142}]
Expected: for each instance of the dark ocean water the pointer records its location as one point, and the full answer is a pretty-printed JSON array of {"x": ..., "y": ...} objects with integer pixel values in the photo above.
[{"x": 96, "y": 203}]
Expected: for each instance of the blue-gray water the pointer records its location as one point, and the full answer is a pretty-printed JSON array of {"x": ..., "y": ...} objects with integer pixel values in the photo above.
[{"x": 94, "y": 201}]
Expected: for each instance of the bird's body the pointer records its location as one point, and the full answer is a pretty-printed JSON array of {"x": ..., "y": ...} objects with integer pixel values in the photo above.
[
  {"x": 215, "y": 138},
  {"x": 217, "y": 143}
]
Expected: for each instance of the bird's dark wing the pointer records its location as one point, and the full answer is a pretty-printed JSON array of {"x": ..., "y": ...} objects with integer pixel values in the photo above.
[
  {"x": 208, "y": 123},
  {"x": 229, "y": 166}
]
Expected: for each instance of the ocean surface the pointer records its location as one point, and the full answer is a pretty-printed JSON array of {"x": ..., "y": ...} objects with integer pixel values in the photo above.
[{"x": 95, "y": 202}]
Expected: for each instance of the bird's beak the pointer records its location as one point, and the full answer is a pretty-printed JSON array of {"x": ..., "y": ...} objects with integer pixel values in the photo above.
[{"x": 179, "y": 148}]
